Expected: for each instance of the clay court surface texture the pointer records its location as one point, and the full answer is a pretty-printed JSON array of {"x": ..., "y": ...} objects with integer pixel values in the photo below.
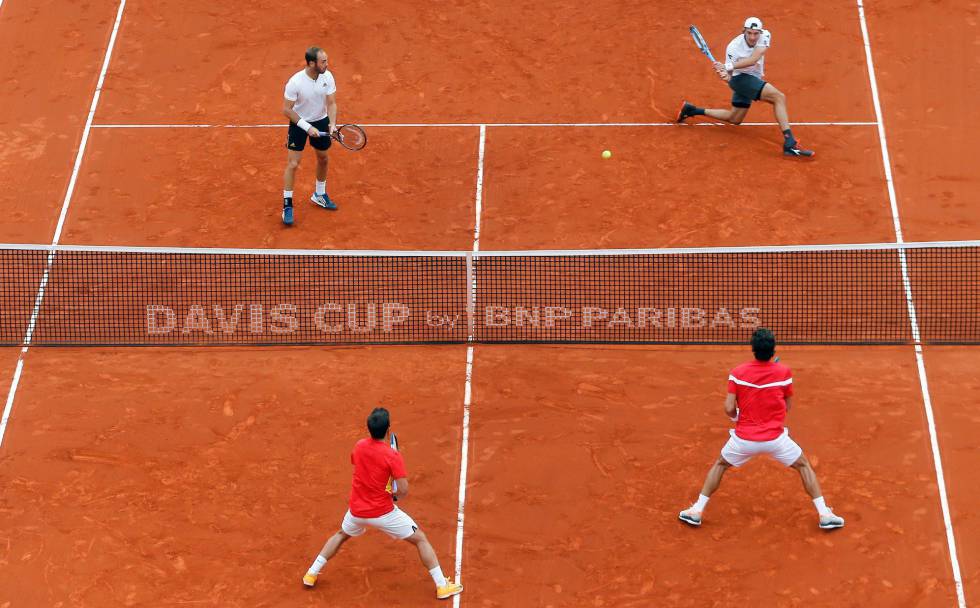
[{"x": 544, "y": 475}]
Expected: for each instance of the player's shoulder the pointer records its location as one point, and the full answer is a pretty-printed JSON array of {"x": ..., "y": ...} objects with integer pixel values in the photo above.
[
  {"x": 740, "y": 369},
  {"x": 296, "y": 78},
  {"x": 783, "y": 370},
  {"x": 364, "y": 443},
  {"x": 326, "y": 80}
]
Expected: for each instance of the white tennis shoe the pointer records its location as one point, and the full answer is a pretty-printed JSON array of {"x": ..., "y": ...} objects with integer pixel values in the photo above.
[{"x": 690, "y": 516}]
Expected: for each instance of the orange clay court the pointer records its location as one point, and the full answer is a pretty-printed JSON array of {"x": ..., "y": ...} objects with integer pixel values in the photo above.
[{"x": 544, "y": 475}]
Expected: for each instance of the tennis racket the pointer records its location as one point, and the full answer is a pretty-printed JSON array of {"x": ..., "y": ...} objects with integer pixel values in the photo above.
[
  {"x": 702, "y": 45},
  {"x": 392, "y": 484},
  {"x": 351, "y": 137}
]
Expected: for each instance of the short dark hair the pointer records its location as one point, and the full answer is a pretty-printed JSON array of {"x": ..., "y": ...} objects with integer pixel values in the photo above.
[
  {"x": 378, "y": 423},
  {"x": 763, "y": 344},
  {"x": 312, "y": 54}
]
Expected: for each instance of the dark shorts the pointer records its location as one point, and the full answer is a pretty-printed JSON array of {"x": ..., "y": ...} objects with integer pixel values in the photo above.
[
  {"x": 296, "y": 138},
  {"x": 747, "y": 88}
]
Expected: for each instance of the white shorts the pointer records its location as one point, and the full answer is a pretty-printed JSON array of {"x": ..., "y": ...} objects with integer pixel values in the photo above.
[
  {"x": 738, "y": 451},
  {"x": 396, "y": 524}
]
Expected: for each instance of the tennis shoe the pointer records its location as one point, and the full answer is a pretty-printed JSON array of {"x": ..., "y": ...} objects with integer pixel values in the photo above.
[
  {"x": 831, "y": 521},
  {"x": 690, "y": 516},
  {"x": 309, "y": 579},
  {"x": 448, "y": 590},
  {"x": 287, "y": 215},
  {"x": 322, "y": 200},
  {"x": 794, "y": 149},
  {"x": 686, "y": 110}
]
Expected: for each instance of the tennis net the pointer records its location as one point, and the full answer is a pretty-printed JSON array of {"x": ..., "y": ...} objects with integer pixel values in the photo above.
[{"x": 827, "y": 294}]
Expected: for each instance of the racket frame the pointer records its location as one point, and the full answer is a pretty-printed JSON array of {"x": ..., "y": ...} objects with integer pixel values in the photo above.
[{"x": 701, "y": 43}]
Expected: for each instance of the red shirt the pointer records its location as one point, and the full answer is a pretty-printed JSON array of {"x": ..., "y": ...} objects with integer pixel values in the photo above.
[
  {"x": 374, "y": 462},
  {"x": 760, "y": 389}
]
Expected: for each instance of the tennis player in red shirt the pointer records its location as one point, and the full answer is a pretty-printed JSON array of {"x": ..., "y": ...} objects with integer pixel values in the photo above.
[
  {"x": 371, "y": 505},
  {"x": 759, "y": 396}
]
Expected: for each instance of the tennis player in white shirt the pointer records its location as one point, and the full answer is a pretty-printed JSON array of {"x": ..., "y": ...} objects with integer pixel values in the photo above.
[
  {"x": 744, "y": 70},
  {"x": 310, "y": 104}
]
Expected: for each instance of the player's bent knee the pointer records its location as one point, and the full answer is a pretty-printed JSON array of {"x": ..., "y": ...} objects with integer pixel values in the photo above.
[{"x": 417, "y": 538}]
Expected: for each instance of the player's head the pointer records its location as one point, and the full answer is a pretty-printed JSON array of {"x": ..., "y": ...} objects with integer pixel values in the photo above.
[
  {"x": 752, "y": 29},
  {"x": 378, "y": 423},
  {"x": 316, "y": 59},
  {"x": 763, "y": 344}
]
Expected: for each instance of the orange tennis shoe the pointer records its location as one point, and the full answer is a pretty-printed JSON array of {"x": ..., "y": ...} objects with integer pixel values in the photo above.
[{"x": 448, "y": 590}]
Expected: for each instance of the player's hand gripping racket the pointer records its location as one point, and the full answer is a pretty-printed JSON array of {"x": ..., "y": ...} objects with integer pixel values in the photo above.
[
  {"x": 702, "y": 45},
  {"x": 392, "y": 484},
  {"x": 351, "y": 137}
]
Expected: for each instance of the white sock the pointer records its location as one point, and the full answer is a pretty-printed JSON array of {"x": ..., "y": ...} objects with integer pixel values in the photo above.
[
  {"x": 822, "y": 508},
  {"x": 321, "y": 187},
  {"x": 701, "y": 503},
  {"x": 318, "y": 565},
  {"x": 437, "y": 576},
  {"x": 287, "y": 194}
]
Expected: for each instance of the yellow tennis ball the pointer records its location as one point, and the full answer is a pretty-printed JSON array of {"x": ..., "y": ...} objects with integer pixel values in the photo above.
[{"x": 606, "y": 154}]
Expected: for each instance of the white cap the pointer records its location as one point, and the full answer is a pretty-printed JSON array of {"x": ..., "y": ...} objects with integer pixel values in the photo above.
[{"x": 753, "y": 23}]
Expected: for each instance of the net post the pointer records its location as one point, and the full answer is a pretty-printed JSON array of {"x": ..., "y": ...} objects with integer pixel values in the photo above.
[{"x": 470, "y": 298}]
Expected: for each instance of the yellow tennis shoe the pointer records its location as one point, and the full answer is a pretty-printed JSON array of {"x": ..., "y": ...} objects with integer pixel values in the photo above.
[{"x": 448, "y": 590}]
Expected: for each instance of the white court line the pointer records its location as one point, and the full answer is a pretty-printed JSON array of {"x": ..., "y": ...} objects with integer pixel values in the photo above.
[
  {"x": 493, "y": 124},
  {"x": 468, "y": 391},
  {"x": 61, "y": 221},
  {"x": 913, "y": 320}
]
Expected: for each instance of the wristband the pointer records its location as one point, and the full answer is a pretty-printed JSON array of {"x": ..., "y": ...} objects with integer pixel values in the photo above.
[{"x": 302, "y": 124}]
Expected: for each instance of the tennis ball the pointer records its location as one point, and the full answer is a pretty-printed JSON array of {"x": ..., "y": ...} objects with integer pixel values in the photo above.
[{"x": 606, "y": 154}]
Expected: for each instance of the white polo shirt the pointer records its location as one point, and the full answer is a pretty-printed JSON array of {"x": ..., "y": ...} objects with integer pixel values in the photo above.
[
  {"x": 739, "y": 49},
  {"x": 310, "y": 95}
]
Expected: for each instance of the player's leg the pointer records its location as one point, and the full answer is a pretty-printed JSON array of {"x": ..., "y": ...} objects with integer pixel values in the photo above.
[
  {"x": 734, "y": 116},
  {"x": 330, "y": 548},
  {"x": 400, "y": 526},
  {"x": 789, "y": 453},
  {"x": 350, "y": 527},
  {"x": 293, "y": 160},
  {"x": 777, "y": 98},
  {"x": 715, "y": 473},
  {"x": 295, "y": 142},
  {"x": 320, "y": 146},
  {"x": 444, "y": 588},
  {"x": 735, "y": 453},
  {"x": 692, "y": 515},
  {"x": 828, "y": 520}
]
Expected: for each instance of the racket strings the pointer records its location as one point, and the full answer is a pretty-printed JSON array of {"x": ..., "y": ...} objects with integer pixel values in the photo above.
[{"x": 351, "y": 135}]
